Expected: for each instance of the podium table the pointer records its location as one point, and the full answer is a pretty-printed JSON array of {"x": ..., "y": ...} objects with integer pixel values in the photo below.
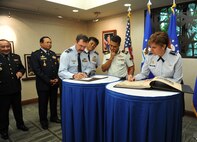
[
  {"x": 134, "y": 115},
  {"x": 83, "y": 109}
]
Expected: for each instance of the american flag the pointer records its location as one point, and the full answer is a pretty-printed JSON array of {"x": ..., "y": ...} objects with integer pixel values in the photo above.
[
  {"x": 128, "y": 44},
  {"x": 172, "y": 30}
]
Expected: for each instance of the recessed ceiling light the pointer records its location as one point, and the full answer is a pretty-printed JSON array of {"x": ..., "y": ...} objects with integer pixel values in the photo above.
[
  {"x": 60, "y": 17},
  {"x": 75, "y": 10},
  {"x": 127, "y": 4}
]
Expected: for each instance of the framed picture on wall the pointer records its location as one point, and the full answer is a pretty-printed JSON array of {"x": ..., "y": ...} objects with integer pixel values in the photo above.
[
  {"x": 106, "y": 35},
  {"x": 29, "y": 71},
  {"x": 12, "y": 46}
]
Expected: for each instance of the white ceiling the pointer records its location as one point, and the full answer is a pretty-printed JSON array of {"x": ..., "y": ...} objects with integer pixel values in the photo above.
[{"x": 43, "y": 7}]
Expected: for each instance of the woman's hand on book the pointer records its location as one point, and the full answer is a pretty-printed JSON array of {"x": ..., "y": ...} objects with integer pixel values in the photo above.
[{"x": 130, "y": 78}]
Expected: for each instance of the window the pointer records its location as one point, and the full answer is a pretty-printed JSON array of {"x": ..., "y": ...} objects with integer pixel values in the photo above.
[{"x": 186, "y": 14}]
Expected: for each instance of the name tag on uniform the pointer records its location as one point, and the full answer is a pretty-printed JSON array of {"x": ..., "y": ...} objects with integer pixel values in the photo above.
[
  {"x": 43, "y": 57},
  {"x": 84, "y": 60},
  {"x": 152, "y": 65}
]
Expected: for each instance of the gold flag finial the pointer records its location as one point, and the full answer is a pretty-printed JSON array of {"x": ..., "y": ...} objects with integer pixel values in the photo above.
[
  {"x": 173, "y": 6},
  {"x": 129, "y": 12},
  {"x": 148, "y": 5}
]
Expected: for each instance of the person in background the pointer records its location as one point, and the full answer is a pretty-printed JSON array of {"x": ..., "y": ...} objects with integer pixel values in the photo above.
[
  {"x": 74, "y": 61},
  {"x": 45, "y": 65},
  {"x": 118, "y": 63},
  {"x": 11, "y": 71},
  {"x": 93, "y": 56},
  {"x": 161, "y": 61}
]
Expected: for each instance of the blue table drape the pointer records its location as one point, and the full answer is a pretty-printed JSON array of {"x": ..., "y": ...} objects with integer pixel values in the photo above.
[
  {"x": 83, "y": 111},
  {"x": 142, "y": 119}
]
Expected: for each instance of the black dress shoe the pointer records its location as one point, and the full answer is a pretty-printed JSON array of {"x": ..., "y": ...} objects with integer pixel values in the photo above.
[
  {"x": 4, "y": 135},
  {"x": 57, "y": 120},
  {"x": 23, "y": 128},
  {"x": 44, "y": 125}
]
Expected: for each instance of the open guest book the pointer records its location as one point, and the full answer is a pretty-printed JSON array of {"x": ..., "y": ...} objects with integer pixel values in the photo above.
[
  {"x": 158, "y": 82},
  {"x": 93, "y": 78}
]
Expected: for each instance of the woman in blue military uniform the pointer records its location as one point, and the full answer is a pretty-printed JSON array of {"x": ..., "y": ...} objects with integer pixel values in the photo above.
[
  {"x": 161, "y": 61},
  {"x": 45, "y": 65},
  {"x": 11, "y": 71}
]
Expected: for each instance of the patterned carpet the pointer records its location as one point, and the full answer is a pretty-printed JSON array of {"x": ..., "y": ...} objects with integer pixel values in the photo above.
[
  {"x": 54, "y": 134},
  {"x": 35, "y": 133}
]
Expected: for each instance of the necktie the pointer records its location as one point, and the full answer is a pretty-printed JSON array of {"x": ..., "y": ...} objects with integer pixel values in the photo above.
[
  {"x": 7, "y": 58},
  {"x": 48, "y": 53},
  {"x": 79, "y": 63},
  {"x": 160, "y": 58},
  {"x": 89, "y": 56}
]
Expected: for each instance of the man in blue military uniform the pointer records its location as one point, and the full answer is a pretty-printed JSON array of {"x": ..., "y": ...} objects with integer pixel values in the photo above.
[
  {"x": 74, "y": 61},
  {"x": 11, "y": 71},
  {"x": 45, "y": 65},
  {"x": 117, "y": 63},
  {"x": 93, "y": 56}
]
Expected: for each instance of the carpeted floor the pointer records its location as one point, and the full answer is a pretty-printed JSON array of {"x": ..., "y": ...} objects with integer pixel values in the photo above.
[
  {"x": 54, "y": 133},
  {"x": 35, "y": 133}
]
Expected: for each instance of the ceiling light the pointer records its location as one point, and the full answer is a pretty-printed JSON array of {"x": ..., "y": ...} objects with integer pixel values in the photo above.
[
  {"x": 75, "y": 10},
  {"x": 127, "y": 4},
  {"x": 96, "y": 19},
  {"x": 9, "y": 15},
  {"x": 60, "y": 17},
  {"x": 82, "y": 4}
]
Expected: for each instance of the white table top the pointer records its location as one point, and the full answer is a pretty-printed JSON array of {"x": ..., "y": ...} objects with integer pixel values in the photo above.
[
  {"x": 140, "y": 92},
  {"x": 107, "y": 79}
]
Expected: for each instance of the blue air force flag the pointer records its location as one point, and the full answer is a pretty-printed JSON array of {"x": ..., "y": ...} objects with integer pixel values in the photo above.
[
  {"x": 172, "y": 33},
  {"x": 147, "y": 34}
]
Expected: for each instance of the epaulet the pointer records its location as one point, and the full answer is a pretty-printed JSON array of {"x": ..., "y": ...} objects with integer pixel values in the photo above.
[
  {"x": 96, "y": 53},
  {"x": 85, "y": 52},
  {"x": 68, "y": 50},
  {"x": 125, "y": 52},
  {"x": 106, "y": 52},
  {"x": 173, "y": 52},
  {"x": 14, "y": 55}
]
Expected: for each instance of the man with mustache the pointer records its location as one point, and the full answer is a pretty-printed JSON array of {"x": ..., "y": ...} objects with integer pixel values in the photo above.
[
  {"x": 74, "y": 61},
  {"x": 117, "y": 63}
]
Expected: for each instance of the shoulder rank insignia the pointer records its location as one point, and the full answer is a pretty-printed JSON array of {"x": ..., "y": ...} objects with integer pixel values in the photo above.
[
  {"x": 96, "y": 53},
  {"x": 125, "y": 52},
  {"x": 68, "y": 50},
  {"x": 150, "y": 53},
  {"x": 173, "y": 53},
  {"x": 85, "y": 52},
  {"x": 106, "y": 52}
]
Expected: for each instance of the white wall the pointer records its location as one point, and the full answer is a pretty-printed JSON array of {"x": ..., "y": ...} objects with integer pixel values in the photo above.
[
  {"x": 26, "y": 31},
  {"x": 29, "y": 28}
]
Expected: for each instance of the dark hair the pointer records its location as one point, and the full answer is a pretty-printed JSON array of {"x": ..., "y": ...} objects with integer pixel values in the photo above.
[
  {"x": 82, "y": 37},
  {"x": 42, "y": 38},
  {"x": 93, "y": 39},
  {"x": 116, "y": 39},
  {"x": 159, "y": 38}
]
